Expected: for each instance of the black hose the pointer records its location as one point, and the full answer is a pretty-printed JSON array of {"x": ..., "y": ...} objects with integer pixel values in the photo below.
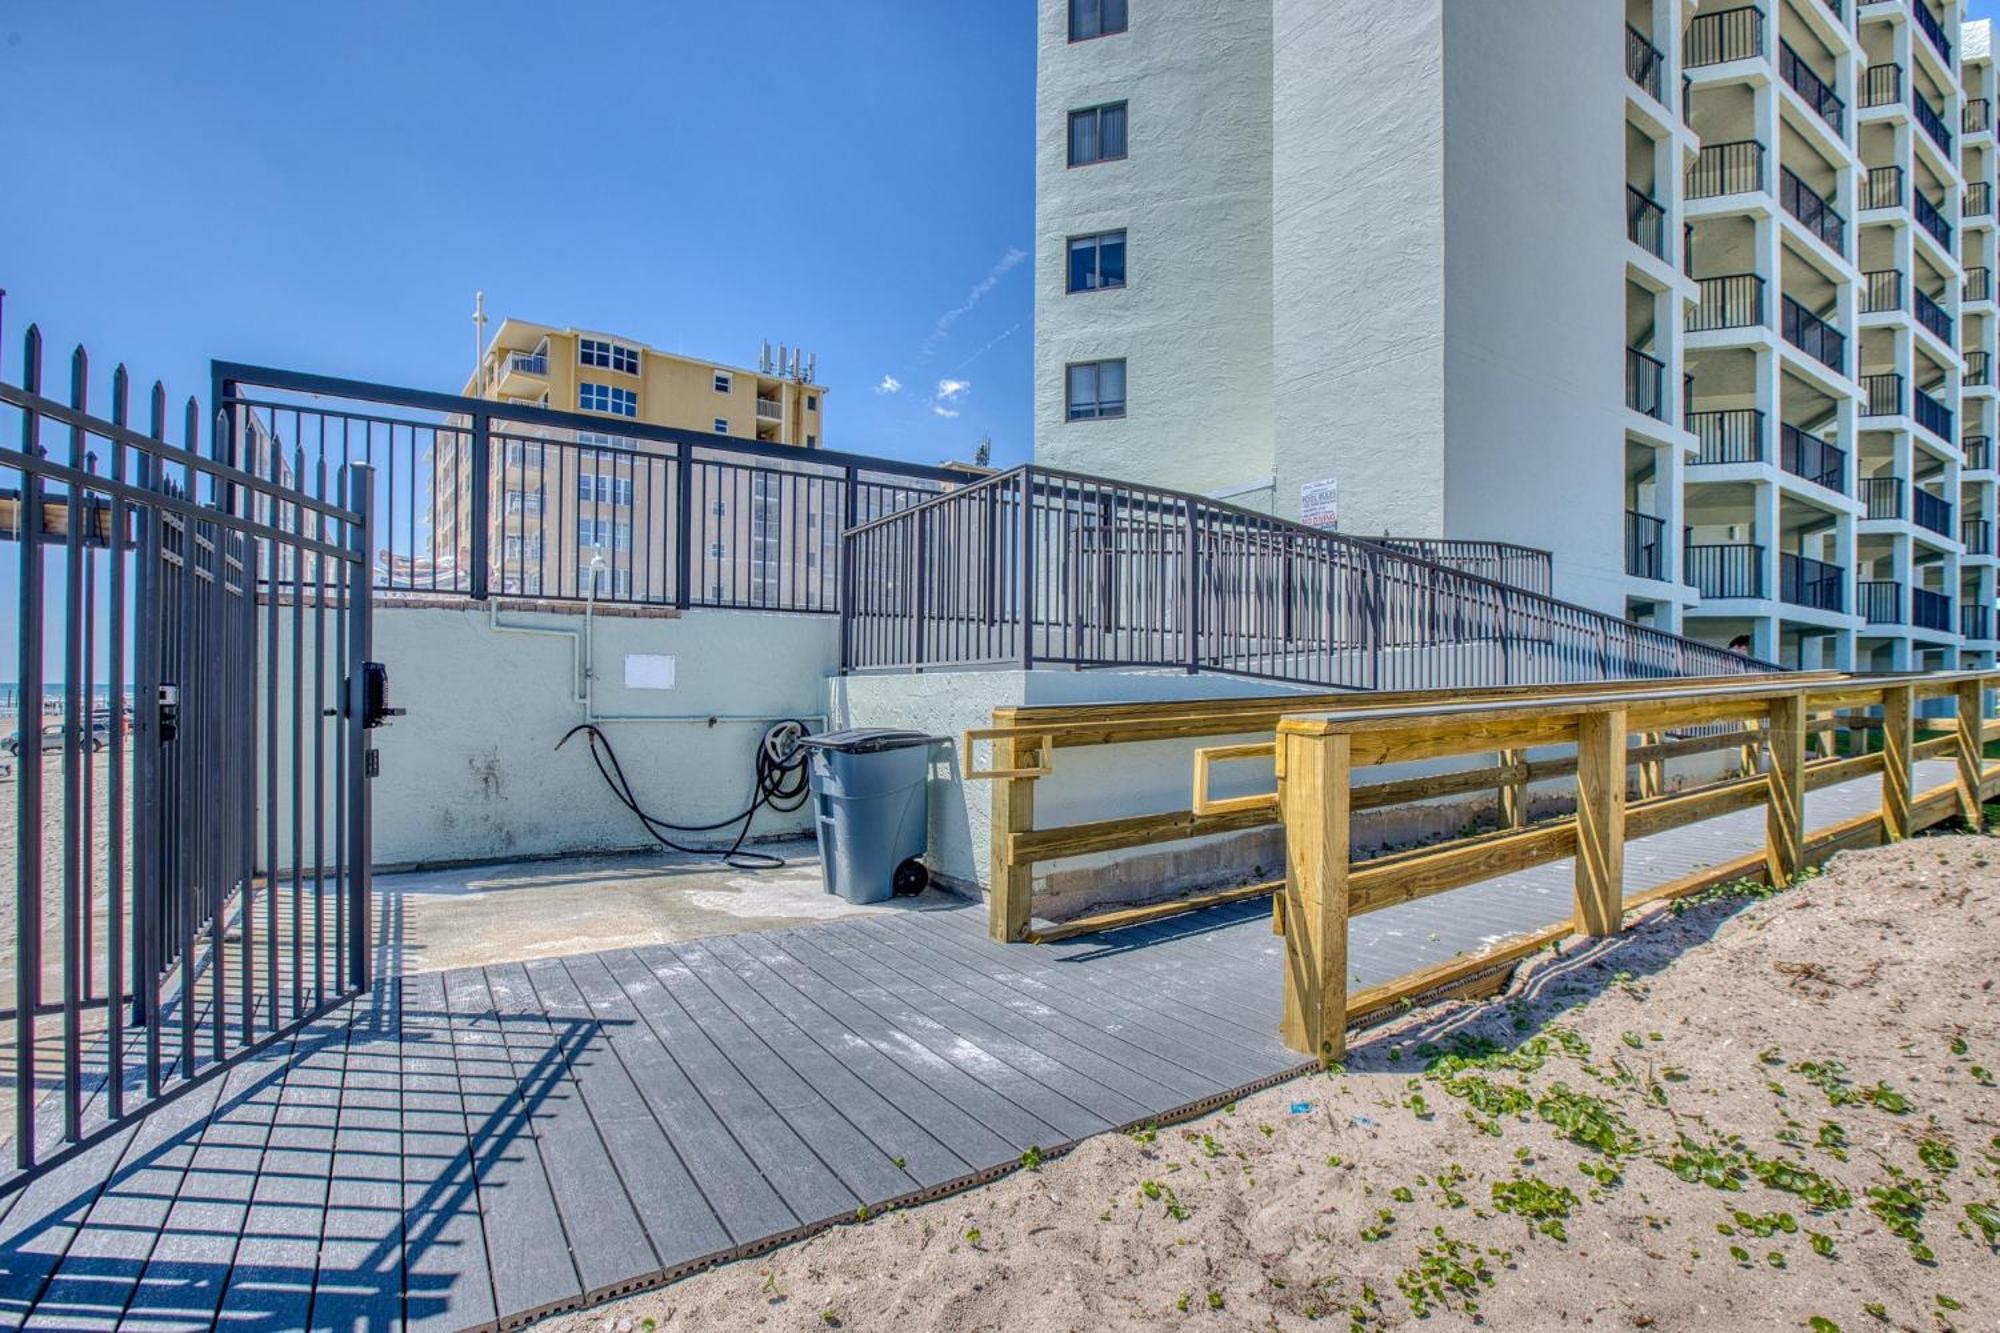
[{"x": 781, "y": 784}]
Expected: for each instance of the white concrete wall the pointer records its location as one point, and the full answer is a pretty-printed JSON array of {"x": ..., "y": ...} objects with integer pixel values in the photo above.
[{"x": 1194, "y": 197}]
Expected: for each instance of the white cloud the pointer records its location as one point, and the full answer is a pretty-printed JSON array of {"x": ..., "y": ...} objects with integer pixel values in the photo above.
[
  {"x": 943, "y": 411},
  {"x": 889, "y": 384},
  {"x": 986, "y": 284},
  {"x": 950, "y": 389}
]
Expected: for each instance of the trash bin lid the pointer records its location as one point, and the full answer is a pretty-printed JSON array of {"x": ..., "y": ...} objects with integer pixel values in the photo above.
[{"x": 867, "y": 740}]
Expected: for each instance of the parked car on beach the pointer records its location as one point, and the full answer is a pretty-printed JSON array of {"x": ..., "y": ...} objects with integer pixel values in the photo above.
[{"x": 52, "y": 737}]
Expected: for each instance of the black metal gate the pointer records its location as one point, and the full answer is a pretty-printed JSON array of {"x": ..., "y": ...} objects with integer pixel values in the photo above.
[{"x": 190, "y": 844}]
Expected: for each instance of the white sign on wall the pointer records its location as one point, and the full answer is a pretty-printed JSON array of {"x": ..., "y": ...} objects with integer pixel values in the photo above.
[
  {"x": 649, "y": 671},
  {"x": 1319, "y": 504}
]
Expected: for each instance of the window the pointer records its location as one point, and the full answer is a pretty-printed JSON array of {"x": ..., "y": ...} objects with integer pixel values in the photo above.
[
  {"x": 722, "y": 425},
  {"x": 522, "y": 453},
  {"x": 607, "y": 398},
  {"x": 1096, "y": 389},
  {"x": 1095, "y": 18},
  {"x": 764, "y": 535},
  {"x": 523, "y": 548},
  {"x": 611, "y": 582},
  {"x": 812, "y": 441},
  {"x": 722, "y": 381},
  {"x": 1097, "y": 134},
  {"x": 593, "y": 439},
  {"x": 1097, "y": 262},
  {"x": 611, "y": 356},
  {"x": 524, "y": 502},
  {"x": 592, "y": 533},
  {"x": 812, "y": 402},
  {"x": 603, "y": 488}
]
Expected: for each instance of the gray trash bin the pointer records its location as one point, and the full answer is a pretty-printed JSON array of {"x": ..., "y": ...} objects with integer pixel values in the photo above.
[{"x": 871, "y": 808}]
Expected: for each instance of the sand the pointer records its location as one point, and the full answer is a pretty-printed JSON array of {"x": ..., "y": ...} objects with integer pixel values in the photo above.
[{"x": 1815, "y": 1063}]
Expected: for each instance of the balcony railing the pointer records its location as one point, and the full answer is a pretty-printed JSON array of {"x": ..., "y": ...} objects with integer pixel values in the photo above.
[
  {"x": 1645, "y": 222},
  {"x": 1732, "y": 436},
  {"x": 1645, "y": 384},
  {"x": 1932, "y": 120},
  {"x": 1978, "y": 369},
  {"x": 1975, "y": 621},
  {"x": 1645, "y": 545},
  {"x": 1931, "y": 218},
  {"x": 1814, "y": 336},
  {"x": 1804, "y": 581},
  {"x": 1977, "y": 118},
  {"x": 1880, "y": 601},
  {"x": 1882, "y": 187},
  {"x": 1818, "y": 94},
  {"x": 1812, "y": 211},
  {"x": 1804, "y": 454},
  {"x": 1931, "y": 512},
  {"x": 1881, "y": 291},
  {"x": 1978, "y": 452},
  {"x": 1734, "y": 301},
  {"x": 1729, "y": 34},
  {"x": 1979, "y": 284},
  {"x": 1643, "y": 62},
  {"x": 1932, "y": 415},
  {"x": 524, "y": 363},
  {"x": 1930, "y": 610},
  {"x": 1978, "y": 199},
  {"x": 1933, "y": 316},
  {"x": 1734, "y": 569},
  {"x": 1931, "y": 28},
  {"x": 1881, "y": 395},
  {"x": 1976, "y": 535},
  {"x": 1883, "y": 497},
  {"x": 1736, "y": 167},
  {"x": 769, "y": 409},
  {"x": 1882, "y": 85}
]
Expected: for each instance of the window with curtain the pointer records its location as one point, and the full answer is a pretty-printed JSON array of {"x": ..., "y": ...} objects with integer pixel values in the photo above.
[
  {"x": 1095, "y": 18},
  {"x": 1097, "y": 134},
  {"x": 1097, "y": 261},
  {"x": 1096, "y": 389}
]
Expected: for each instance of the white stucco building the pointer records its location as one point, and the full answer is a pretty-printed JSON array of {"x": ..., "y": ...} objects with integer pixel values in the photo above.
[{"x": 1696, "y": 296}]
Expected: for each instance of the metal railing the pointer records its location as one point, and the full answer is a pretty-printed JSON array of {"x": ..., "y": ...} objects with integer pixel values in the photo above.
[
  {"x": 1645, "y": 545},
  {"x": 1733, "y": 301},
  {"x": 1727, "y": 569},
  {"x": 525, "y": 363},
  {"x": 1978, "y": 199},
  {"x": 1734, "y": 435},
  {"x": 1882, "y": 187},
  {"x": 1978, "y": 452},
  {"x": 1979, "y": 283},
  {"x": 1882, "y": 497},
  {"x": 1882, "y": 395},
  {"x": 1645, "y": 222},
  {"x": 1932, "y": 315},
  {"x": 1726, "y": 168},
  {"x": 1040, "y": 567},
  {"x": 1930, "y": 610},
  {"x": 1804, "y": 581},
  {"x": 1931, "y": 119},
  {"x": 770, "y": 409},
  {"x": 1932, "y": 415},
  {"x": 1817, "y": 92},
  {"x": 1881, "y": 291},
  {"x": 1977, "y": 117},
  {"x": 1930, "y": 218},
  {"x": 1813, "y": 212},
  {"x": 1524, "y": 567},
  {"x": 1882, "y": 85},
  {"x": 1804, "y": 454},
  {"x": 1645, "y": 384},
  {"x": 482, "y": 498},
  {"x": 1814, "y": 336},
  {"x": 1928, "y": 23},
  {"x": 1643, "y": 62},
  {"x": 1931, "y": 512},
  {"x": 1976, "y": 535},
  {"x": 1729, "y": 34},
  {"x": 1879, "y": 601},
  {"x": 1975, "y": 621},
  {"x": 1978, "y": 369}
]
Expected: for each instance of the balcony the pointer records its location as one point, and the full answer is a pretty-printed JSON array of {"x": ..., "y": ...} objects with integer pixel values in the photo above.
[
  {"x": 1978, "y": 452},
  {"x": 1814, "y": 213},
  {"x": 1729, "y": 34},
  {"x": 1645, "y": 546},
  {"x": 1881, "y": 291},
  {"x": 515, "y": 369},
  {"x": 1932, "y": 120},
  {"x": 1818, "y": 94},
  {"x": 1882, "y": 395},
  {"x": 1882, "y": 85},
  {"x": 1930, "y": 218},
  {"x": 770, "y": 409},
  {"x": 1933, "y": 317},
  {"x": 1933, "y": 416},
  {"x": 1931, "y": 512},
  {"x": 1977, "y": 118},
  {"x": 1975, "y": 621},
  {"x": 1643, "y": 62},
  {"x": 1806, "y": 455},
  {"x": 1645, "y": 384},
  {"x": 1928, "y": 23},
  {"x": 1725, "y": 570},
  {"x": 1732, "y": 436},
  {"x": 1735, "y": 301},
  {"x": 1976, "y": 535},
  {"x": 1882, "y": 187},
  {"x": 1883, "y": 496},
  {"x": 1978, "y": 369},
  {"x": 1979, "y": 284},
  {"x": 1978, "y": 199},
  {"x": 1645, "y": 222},
  {"x": 1721, "y": 169},
  {"x": 1880, "y": 601},
  {"x": 1814, "y": 336},
  {"x": 1930, "y": 610},
  {"x": 1804, "y": 581}
]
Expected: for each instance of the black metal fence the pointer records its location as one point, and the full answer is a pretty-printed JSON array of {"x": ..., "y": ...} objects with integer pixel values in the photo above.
[
  {"x": 1037, "y": 567},
  {"x": 1732, "y": 435},
  {"x": 189, "y": 853},
  {"x": 1725, "y": 569},
  {"x": 1524, "y": 567},
  {"x": 481, "y": 498}
]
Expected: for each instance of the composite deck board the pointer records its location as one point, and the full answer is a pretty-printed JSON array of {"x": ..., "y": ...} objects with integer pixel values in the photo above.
[{"x": 472, "y": 1148}]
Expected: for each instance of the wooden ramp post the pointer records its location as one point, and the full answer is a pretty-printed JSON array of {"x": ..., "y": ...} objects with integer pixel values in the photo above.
[
  {"x": 1600, "y": 822},
  {"x": 1514, "y": 790},
  {"x": 1785, "y": 814},
  {"x": 1010, "y": 899},
  {"x": 1898, "y": 740},
  {"x": 1313, "y": 793},
  {"x": 1971, "y": 722}
]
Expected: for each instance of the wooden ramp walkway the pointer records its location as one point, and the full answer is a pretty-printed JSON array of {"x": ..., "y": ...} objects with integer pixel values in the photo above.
[{"x": 470, "y": 1149}]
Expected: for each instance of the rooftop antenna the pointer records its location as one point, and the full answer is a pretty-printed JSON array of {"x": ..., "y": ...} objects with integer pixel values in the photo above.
[
  {"x": 983, "y": 455},
  {"x": 478, "y": 341}
]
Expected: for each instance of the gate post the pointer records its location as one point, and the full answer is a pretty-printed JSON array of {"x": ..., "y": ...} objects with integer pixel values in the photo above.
[
  {"x": 1600, "y": 822},
  {"x": 354, "y": 711},
  {"x": 1313, "y": 797}
]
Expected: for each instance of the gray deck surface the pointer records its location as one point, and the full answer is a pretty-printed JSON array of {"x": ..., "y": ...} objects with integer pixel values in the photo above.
[{"x": 475, "y": 1147}]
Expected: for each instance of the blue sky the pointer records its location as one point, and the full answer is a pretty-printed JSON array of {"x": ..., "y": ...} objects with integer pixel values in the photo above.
[{"x": 323, "y": 186}]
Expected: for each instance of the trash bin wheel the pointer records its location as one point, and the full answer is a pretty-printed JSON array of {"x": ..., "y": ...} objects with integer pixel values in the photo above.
[{"x": 911, "y": 878}]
